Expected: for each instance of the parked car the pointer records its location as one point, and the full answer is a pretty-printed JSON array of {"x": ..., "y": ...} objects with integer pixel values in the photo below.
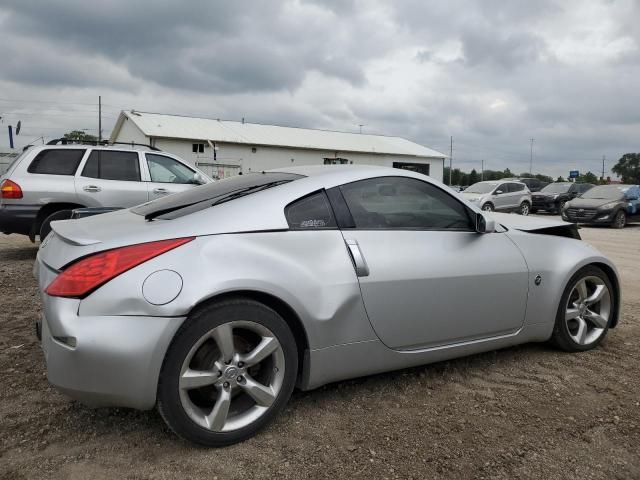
[
  {"x": 553, "y": 197},
  {"x": 613, "y": 205},
  {"x": 500, "y": 196},
  {"x": 214, "y": 303},
  {"x": 533, "y": 184},
  {"x": 47, "y": 182}
]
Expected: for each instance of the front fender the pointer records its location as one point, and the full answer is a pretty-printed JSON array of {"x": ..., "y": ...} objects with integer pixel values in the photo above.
[{"x": 556, "y": 259}]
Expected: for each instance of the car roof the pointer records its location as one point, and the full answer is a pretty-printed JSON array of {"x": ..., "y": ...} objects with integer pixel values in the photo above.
[{"x": 78, "y": 146}]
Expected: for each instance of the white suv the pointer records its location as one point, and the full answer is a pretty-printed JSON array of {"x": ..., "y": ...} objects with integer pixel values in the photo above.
[
  {"x": 46, "y": 183},
  {"x": 501, "y": 196}
]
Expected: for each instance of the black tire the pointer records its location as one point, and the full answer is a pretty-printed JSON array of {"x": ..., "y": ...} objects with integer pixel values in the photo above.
[
  {"x": 524, "y": 208},
  {"x": 561, "y": 337},
  {"x": 619, "y": 219},
  {"x": 488, "y": 207},
  {"x": 195, "y": 326},
  {"x": 45, "y": 227}
]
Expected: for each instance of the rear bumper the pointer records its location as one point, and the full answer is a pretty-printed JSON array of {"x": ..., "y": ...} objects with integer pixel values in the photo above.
[
  {"x": 17, "y": 218},
  {"x": 106, "y": 360}
]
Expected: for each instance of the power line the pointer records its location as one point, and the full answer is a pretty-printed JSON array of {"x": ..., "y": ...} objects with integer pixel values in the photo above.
[{"x": 14, "y": 100}]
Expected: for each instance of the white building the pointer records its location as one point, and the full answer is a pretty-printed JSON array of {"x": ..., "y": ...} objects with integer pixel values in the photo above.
[{"x": 222, "y": 148}]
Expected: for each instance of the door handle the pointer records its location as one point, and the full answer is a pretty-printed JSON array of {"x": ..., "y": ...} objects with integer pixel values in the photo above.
[
  {"x": 359, "y": 263},
  {"x": 160, "y": 191},
  {"x": 91, "y": 188}
]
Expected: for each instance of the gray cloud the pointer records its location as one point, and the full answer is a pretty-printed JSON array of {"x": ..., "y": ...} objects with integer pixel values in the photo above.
[{"x": 491, "y": 73}]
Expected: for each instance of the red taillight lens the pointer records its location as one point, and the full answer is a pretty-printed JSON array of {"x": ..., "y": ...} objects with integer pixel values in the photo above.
[
  {"x": 10, "y": 189},
  {"x": 84, "y": 276}
]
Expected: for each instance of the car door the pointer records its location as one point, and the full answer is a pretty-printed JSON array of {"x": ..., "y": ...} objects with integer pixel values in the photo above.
[
  {"x": 516, "y": 192},
  {"x": 427, "y": 277},
  {"x": 167, "y": 175},
  {"x": 501, "y": 200},
  {"x": 111, "y": 178}
]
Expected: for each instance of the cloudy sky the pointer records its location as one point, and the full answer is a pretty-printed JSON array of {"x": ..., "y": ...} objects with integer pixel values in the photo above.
[{"x": 492, "y": 74}]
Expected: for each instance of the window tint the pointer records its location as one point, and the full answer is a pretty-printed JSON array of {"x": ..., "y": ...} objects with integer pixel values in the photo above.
[
  {"x": 504, "y": 188},
  {"x": 112, "y": 165},
  {"x": 516, "y": 187},
  {"x": 399, "y": 202},
  {"x": 310, "y": 213},
  {"x": 168, "y": 170},
  {"x": 56, "y": 161}
]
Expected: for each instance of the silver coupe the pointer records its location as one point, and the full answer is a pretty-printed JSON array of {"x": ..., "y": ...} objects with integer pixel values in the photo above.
[{"x": 215, "y": 303}]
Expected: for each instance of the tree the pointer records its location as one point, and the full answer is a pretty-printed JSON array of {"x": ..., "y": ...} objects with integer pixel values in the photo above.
[
  {"x": 560, "y": 179},
  {"x": 473, "y": 177},
  {"x": 628, "y": 167},
  {"x": 80, "y": 136},
  {"x": 588, "y": 178}
]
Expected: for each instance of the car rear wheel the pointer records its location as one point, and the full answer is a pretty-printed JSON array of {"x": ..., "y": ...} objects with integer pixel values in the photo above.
[
  {"x": 585, "y": 311},
  {"x": 228, "y": 372},
  {"x": 488, "y": 207},
  {"x": 45, "y": 228},
  {"x": 524, "y": 208},
  {"x": 619, "y": 220}
]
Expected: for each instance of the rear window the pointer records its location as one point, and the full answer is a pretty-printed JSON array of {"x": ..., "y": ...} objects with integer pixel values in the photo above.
[
  {"x": 205, "y": 196},
  {"x": 113, "y": 165},
  {"x": 56, "y": 161}
]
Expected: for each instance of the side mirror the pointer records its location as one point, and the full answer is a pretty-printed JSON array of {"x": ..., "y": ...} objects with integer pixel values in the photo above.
[
  {"x": 198, "y": 179},
  {"x": 484, "y": 225},
  {"x": 498, "y": 192}
]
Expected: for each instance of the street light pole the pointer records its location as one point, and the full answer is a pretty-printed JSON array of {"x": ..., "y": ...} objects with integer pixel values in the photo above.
[
  {"x": 531, "y": 159},
  {"x": 450, "y": 160}
]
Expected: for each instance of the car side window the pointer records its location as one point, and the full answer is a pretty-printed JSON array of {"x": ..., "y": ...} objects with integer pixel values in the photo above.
[
  {"x": 57, "y": 161},
  {"x": 403, "y": 203},
  {"x": 112, "y": 165},
  {"x": 503, "y": 188},
  {"x": 312, "y": 212},
  {"x": 516, "y": 187},
  {"x": 164, "y": 169}
]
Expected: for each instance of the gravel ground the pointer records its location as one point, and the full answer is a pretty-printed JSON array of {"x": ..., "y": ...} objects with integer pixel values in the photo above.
[{"x": 524, "y": 412}]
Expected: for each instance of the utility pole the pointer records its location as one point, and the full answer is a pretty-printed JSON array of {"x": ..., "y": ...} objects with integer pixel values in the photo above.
[
  {"x": 603, "y": 158},
  {"x": 482, "y": 170},
  {"x": 361, "y": 125},
  {"x": 450, "y": 160},
  {"x": 99, "y": 118},
  {"x": 531, "y": 159}
]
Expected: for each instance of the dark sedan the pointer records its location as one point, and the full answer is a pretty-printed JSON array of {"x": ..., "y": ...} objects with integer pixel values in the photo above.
[
  {"x": 612, "y": 205},
  {"x": 553, "y": 197}
]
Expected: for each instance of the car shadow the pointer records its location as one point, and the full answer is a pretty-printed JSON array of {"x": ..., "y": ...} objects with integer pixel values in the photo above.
[{"x": 19, "y": 253}]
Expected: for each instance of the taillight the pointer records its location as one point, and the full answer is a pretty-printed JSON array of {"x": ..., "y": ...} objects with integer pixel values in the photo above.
[
  {"x": 10, "y": 189},
  {"x": 83, "y": 277}
]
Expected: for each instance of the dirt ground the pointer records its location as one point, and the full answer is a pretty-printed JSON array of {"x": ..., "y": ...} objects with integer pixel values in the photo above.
[{"x": 525, "y": 412}]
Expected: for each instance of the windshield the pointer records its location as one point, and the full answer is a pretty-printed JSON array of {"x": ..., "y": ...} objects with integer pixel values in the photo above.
[
  {"x": 557, "y": 188},
  {"x": 205, "y": 196},
  {"x": 481, "y": 187},
  {"x": 606, "y": 192}
]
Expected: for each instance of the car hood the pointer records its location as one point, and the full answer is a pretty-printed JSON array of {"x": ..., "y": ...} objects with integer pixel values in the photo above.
[
  {"x": 526, "y": 224},
  {"x": 589, "y": 202}
]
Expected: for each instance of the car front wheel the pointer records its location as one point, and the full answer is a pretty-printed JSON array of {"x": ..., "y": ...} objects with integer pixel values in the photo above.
[
  {"x": 585, "y": 311},
  {"x": 487, "y": 207},
  {"x": 229, "y": 371},
  {"x": 619, "y": 220}
]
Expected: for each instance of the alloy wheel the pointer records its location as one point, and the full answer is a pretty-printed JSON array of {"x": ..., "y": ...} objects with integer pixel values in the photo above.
[
  {"x": 231, "y": 376},
  {"x": 588, "y": 310},
  {"x": 487, "y": 207},
  {"x": 620, "y": 219},
  {"x": 524, "y": 208}
]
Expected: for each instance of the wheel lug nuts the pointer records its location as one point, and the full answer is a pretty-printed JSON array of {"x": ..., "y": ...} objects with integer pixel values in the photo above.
[
  {"x": 241, "y": 364},
  {"x": 225, "y": 384},
  {"x": 240, "y": 379}
]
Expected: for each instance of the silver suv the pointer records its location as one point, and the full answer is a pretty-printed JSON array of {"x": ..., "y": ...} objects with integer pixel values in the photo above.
[
  {"x": 47, "y": 182},
  {"x": 501, "y": 196}
]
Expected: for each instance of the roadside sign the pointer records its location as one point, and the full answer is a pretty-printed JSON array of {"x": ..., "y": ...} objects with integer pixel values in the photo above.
[{"x": 574, "y": 174}]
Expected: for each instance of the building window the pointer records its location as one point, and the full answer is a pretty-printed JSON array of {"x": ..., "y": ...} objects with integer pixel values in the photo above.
[
  {"x": 336, "y": 161},
  {"x": 197, "y": 147}
]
